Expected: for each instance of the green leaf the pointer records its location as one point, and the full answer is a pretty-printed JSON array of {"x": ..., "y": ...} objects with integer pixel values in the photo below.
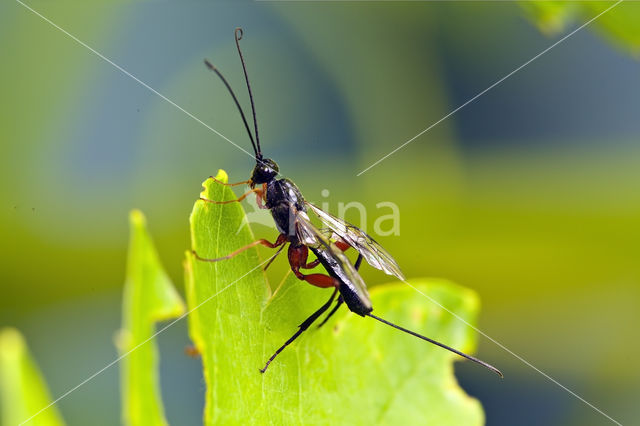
[
  {"x": 620, "y": 24},
  {"x": 550, "y": 17},
  {"x": 149, "y": 297},
  {"x": 353, "y": 370},
  {"x": 23, "y": 392}
]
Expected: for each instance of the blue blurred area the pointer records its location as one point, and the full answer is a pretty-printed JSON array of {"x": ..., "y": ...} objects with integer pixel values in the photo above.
[{"x": 580, "y": 93}]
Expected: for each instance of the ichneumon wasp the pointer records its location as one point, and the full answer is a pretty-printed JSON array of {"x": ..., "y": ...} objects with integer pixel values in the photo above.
[{"x": 289, "y": 211}]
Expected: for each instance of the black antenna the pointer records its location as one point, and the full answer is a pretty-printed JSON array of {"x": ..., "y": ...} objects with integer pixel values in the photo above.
[
  {"x": 442, "y": 345},
  {"x": 239, "y": 33},
  {"x": 235, "y": 99}
]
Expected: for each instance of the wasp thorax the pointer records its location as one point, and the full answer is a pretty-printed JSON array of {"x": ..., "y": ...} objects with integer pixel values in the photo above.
[{"x": 264, "y": 171}]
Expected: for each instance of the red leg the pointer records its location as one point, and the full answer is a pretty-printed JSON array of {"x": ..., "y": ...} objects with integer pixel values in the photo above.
[
  {"x": 246, "y": 182},
  {"x": 281, "y": 240},
  {"x": 260, "y": 197},
  {"x": 342, "y": 245},
  {"x": 237, "y": 200},
  {"x": 311, "y": 265},
  {"x": 192, "y": 351},
  {"x": 298, "y": 259},
  {"x": 319, "y": 280}
]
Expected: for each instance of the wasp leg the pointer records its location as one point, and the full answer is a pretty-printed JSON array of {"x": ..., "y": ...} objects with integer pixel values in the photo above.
[
  {"x": 318, "y": 280},
  {"x": 191, "y": 351},
  {"x": 273, "y": 258},
  {"x": 280, "y": 241},
  {"x": 340, "y": 300},
  {"x": 333, "y": 311},
  {"x": 302, "y": 327},
  {"x": 342, "y": 245},
  {"x": 298, "y": 259},
  {"x": 237, "y": 200},
  {"x": 358, "y": 262},
  {"x": 311, "y": 265},
  {"x": 260, "y": 197},
  {"x": 246, "y": 182}
]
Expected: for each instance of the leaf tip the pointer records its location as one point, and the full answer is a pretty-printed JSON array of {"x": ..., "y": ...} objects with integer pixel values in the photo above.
[
  {"x": 136, "y": 218},
  {"x": 11, "y": 342},
  {"x": 222, "y": 176},
  {"x": 208, "y": 184}
]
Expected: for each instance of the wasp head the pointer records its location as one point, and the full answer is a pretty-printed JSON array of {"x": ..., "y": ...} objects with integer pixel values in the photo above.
[{"x": 264, "y": 171}]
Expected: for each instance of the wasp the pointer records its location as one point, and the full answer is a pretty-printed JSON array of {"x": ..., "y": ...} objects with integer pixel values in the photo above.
[{"x": 290, "y": 211}]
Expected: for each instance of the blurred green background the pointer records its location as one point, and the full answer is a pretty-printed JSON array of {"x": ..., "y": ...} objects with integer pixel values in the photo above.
[{"x": 529, "y": 195}]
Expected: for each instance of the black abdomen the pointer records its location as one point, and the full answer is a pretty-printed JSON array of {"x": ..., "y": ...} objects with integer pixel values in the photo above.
[{"x": 347, "y": 288}]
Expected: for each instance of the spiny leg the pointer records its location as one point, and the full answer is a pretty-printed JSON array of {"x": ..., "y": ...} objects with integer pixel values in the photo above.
[
  {"x": 340, "y": 299},
  {"x": 280, "y": 241},
  {"x": 302, "y": 327}
]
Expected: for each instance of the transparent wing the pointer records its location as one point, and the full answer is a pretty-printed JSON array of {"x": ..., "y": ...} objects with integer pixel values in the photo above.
[
  {"x": 305, "y": 231},
  {"x": 373, "y": 253},
  {"x": 321, "y": 242}
]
